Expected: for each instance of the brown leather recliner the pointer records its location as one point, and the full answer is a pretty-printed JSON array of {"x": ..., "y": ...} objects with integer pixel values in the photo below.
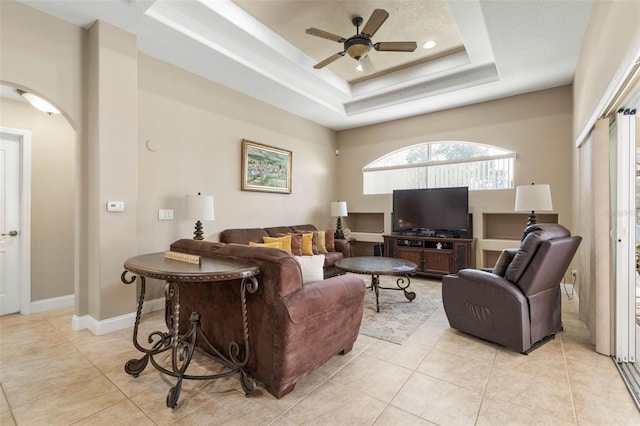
[{"x": 522, "y": 309}]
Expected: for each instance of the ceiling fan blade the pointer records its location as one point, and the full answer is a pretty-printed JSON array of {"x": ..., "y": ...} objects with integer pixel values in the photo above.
[
  {"x": 324, "y": 34},
  {"x": 375, "y": 21},
  {"x": 396, "y": 46},
  {"x": 327, "y": 61}
]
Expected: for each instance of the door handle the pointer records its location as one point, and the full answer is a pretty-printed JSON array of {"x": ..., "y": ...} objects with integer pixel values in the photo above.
[{"x": 10, "y": 233}]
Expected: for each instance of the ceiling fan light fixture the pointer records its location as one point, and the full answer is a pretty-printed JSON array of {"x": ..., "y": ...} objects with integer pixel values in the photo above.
[
  {"x": 357, "y": 47},
  {"x": 365, "y": 65}
]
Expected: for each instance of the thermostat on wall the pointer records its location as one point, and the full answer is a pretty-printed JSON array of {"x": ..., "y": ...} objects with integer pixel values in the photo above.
[{"x": 115, "y": 206}]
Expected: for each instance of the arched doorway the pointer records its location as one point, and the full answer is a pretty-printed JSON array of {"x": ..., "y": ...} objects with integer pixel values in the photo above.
[{"x": 51, "y": 197}]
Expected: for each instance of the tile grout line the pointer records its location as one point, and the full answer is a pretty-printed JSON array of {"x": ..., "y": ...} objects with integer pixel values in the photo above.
[
  {"x": 484, "y": 389},
  {"x": 566, "y": 371},
  {"x": 4, "y": 394},
  {"x": 413, "y": 371},
  {"x": 127, "y": 397},
  {"x": 326, "y": 379}
]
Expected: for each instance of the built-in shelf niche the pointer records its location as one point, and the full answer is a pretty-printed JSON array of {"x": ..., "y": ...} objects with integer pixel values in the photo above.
[
  {"x": 490, "y": 257},
  {"x": 509, "y": 226},
  {"x": 365, "y": 222}
]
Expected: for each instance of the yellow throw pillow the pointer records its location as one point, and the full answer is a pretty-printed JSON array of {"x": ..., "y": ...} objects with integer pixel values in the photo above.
[
  {"x": 322, "y": 248},
  {"x": 275, "y": 244},
  {"x": 314, "y": 241},
  {"x": 285, "y": 241},
  {"x": 307, "y": 244}
]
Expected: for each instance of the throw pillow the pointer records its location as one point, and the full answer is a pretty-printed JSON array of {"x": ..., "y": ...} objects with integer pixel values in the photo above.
[
  {"x": 275, "y": 244},
  {"x": 311, "y": 268},
  {"x": 504, "y": 260},
  {"x": 307, "y": 244},
  {"x": 314, "y": 242},
  {"x": 285, "y": 241},
  {"x": 322, "y": 248},
  {"x": 296, "y": 243},
  {"x": 329, "y": 242}
]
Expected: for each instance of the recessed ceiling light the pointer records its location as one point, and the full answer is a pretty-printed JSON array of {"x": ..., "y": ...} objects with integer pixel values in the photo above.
[
  {"x": 359, "y": 67},
  {"x": 429, "y": 44}
]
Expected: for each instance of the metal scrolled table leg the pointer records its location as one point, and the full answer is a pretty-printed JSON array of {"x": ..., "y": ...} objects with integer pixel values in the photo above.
[
  {"x": 410, "y": 295},
  {"x": 250, "y": 285},
  {"x": 375, "y": 283},
  {"x": 135, "y": 366}
]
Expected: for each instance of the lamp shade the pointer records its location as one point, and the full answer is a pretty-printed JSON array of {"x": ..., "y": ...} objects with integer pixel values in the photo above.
[
  {"x": 339, "y": 208},
  {"x": 199, "y": 207},
  {"x": 533, "y": 198}
]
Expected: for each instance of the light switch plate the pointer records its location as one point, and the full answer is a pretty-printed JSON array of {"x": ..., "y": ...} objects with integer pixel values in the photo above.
[
  {"x": 115, "y": 206},
  {"x": 166, "y": 214}
]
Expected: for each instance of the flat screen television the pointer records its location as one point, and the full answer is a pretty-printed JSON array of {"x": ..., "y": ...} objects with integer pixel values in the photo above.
[{"x": 433, "y": 210}]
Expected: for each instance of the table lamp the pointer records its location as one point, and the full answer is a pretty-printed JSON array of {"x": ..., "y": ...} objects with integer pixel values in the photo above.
[
  {"x": 199, "y": 207},
  {"x": 532, "y": 198},
  {"x": 339, "y": 209}
]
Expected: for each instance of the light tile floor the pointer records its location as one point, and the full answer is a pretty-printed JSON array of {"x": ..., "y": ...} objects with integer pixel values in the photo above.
[{"x": 51, "y": 375}]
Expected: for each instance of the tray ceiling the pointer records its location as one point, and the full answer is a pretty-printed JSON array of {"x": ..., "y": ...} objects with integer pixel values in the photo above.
[{"x": 486, "y": 49}]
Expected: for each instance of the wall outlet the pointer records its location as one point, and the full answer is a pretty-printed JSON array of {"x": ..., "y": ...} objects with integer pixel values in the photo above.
[{"x": 574, "y": 272}]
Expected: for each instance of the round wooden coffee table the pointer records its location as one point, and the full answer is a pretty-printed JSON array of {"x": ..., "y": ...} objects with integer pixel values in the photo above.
[{"x": 376, "y": 266}]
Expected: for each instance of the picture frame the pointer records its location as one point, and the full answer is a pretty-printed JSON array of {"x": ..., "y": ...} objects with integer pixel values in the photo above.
[{"x": 266, "y": 168}]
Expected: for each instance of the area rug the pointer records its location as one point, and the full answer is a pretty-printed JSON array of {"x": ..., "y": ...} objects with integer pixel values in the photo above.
[{"x": 398, "y": 317}]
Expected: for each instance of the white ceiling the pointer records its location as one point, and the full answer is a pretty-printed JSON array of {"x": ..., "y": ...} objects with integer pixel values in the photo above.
[{"x": 509, "y": 47}]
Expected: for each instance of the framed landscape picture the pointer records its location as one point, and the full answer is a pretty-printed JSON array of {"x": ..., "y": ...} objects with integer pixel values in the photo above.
[{"x": 265, "y": 168}]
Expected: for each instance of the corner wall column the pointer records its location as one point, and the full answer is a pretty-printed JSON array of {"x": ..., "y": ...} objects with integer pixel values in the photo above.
[{"x": 112, "y": 167}]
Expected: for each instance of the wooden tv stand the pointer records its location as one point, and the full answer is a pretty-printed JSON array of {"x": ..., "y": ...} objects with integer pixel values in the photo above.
[{"x": 433, "y": 255}]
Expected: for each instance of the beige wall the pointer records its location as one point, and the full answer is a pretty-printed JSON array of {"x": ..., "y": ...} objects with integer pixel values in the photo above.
[
  {"x": 537, "y": 126},
  {"x": 112, "y": 159},
  {"x": 52, "y": 197},
  {"x": 613, "y": 28},
  {"x": 611, "y": 37},
  {"x": 45, "y": 56},
  {"x": 198, "y": 126}
]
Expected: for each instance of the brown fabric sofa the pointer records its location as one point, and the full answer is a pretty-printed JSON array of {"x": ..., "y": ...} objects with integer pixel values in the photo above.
[
  {"x": 246, "y": 235},
  {"x": 293, "y": 329},
  {"x": 521, "y": 309}
]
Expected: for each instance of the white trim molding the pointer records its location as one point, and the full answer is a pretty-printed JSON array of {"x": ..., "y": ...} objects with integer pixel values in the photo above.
[
  {"x": 51, "y": 304},
  {"x": 116, "y": 323}
]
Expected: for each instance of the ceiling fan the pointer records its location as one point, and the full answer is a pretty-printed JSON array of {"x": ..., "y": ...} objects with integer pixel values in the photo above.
[{"x": 359, "y": 45}]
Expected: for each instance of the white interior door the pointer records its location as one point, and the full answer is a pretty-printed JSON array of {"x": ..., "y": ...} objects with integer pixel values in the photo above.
[{"x": 10, "y": 231}]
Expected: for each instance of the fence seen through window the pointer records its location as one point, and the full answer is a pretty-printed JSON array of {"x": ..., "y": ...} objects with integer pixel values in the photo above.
[{"x": 439, "y": 165}]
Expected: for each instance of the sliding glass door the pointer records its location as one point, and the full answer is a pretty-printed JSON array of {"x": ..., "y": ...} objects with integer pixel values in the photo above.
[{"x": 623, "y": 222}]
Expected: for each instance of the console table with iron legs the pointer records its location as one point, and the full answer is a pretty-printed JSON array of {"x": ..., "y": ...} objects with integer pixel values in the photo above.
[{"x": 178, "y": 275}]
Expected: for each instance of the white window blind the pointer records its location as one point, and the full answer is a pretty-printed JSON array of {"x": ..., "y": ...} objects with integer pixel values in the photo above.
[{"x": 476, "y": 166}]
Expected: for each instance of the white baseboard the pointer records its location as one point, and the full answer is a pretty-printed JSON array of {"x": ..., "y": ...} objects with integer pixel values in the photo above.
[
  {"x": 116, "y": 323},
  {"x": 50, "y": 304}
]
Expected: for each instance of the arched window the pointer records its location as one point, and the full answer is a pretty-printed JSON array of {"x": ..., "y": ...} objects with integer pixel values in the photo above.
[{"x": 438, "y": 165}]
